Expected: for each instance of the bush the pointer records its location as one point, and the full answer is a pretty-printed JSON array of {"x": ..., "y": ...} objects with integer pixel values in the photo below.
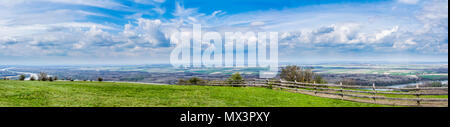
[
  {"x": 100, "y": 79},
  {"x": 181, "y": 82},
  {"x": 235, "y": 79},
  {"x": 50, "y": 79},
  {"x": 192, "y": 81},
  {"x": 22, "y": 77},
  {"x": 32, "y": 78},
  {"x": 196, "y": 81}
]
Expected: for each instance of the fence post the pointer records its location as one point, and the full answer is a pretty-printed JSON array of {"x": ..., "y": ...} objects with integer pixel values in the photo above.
[
  {"x": 315, "y": 88},
  {"x": 342, "y": 91},
  {"x": 374, "y": 92},
  {"x": 418, "y": 93}
]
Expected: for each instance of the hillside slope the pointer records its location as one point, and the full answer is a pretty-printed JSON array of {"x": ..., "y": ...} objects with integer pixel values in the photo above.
[{"x": 96, "y": 94}]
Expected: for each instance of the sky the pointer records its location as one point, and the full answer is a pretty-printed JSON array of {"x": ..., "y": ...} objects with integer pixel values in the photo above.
[{"x": 52, "y": 32}]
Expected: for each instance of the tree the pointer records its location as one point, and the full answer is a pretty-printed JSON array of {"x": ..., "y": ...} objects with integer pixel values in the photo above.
[
  {"x": 32, "y": 78},
  {"x": 318, "y": 79},
  {"x": 181, "y": 82},
  {"x": 291, "y": 73},
  {"x": 308, "y": 76},
  {"x": 349, "y": 81},
  {"x": 55, "y": 78},
  {"x": 22, "y": 77},
  {"x": 50, "y": 79},
  {"x": 100, "y": 79},
  {"x": 296, "y": 73},
  {"x": 236, "y": 79},
  {"x": 42, "y": 76},
  {"x": 196, "y": 81}
]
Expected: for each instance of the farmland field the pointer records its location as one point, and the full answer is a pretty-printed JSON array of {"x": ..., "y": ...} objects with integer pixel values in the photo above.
[{"x": 103, "y": 94}]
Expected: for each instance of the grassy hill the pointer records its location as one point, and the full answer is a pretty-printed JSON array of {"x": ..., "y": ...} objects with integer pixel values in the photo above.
[{"x": 96, "y": 94}]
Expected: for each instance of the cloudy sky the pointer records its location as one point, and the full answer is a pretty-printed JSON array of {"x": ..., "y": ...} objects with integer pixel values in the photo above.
[{"x": 138, "y": 31}]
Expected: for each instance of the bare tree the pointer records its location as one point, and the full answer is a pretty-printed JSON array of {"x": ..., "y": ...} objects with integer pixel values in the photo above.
[
  {"x": 42, "y": 76},
  {"x": 291, "y": 73},
  {"x": 296, "y": 73}
]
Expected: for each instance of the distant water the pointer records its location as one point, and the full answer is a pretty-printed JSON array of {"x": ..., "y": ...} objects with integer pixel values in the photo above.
[
  {"x": 25, "y": 73},
  {"x": 413, "y": 84}
]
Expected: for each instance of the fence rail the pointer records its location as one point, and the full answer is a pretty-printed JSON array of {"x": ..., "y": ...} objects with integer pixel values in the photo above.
[
  {"x": 358, "y": 91},
  {"x": 371, "y": 97},
  {"x": 344, "y": 90},
  {"x": 364, "y": 87}
]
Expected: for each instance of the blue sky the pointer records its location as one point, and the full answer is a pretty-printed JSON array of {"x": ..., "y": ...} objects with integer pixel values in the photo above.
[{"x": 138, "y": 31}]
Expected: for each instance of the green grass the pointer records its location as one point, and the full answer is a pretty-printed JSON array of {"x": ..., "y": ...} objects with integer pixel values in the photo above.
[{"x": 95, "y": 94}]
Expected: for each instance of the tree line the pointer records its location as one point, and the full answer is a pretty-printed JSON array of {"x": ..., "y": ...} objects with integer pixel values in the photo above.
[
  {"x": 233, "y": 79},
  {"x": 42, "y": 76}
]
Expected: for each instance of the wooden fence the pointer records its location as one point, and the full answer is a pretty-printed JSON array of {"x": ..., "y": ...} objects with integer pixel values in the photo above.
[
  {"x": 369, "y": 92},
  {"x": 349, "y": 91}
]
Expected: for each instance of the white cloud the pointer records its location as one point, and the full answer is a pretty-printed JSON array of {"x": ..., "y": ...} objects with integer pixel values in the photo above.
[
  {"x": 345, "y": 33},
  {"x": 409, "y": 1},
  {"x": 405, "y": 44},
  {"x": 434, "y": 16},
  {"x": 257, "y": 23},
  {"x": 146, "y": 32}
]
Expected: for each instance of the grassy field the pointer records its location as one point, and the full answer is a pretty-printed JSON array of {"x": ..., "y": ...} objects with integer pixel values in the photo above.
[{"x": 95, "y": 94}]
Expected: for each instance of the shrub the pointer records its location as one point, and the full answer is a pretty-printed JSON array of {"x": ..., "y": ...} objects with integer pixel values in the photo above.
[
  {"x": 50, "y": 79},
  {"x": 192, "y": 81},
  {"x": 32, "y": 78},
  {"x": 196, "y": 81},
  {"x": 235, "y": 79},
  {"x": 181, "y": 82},
  {"x": 100, "y": 79},
  {"x": 22, "y": 77}
]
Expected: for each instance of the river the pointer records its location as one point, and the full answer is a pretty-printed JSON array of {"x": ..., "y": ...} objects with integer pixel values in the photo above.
[
  {"x": 24, "y": 73},
  {"x": 414, "y": 84}
]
